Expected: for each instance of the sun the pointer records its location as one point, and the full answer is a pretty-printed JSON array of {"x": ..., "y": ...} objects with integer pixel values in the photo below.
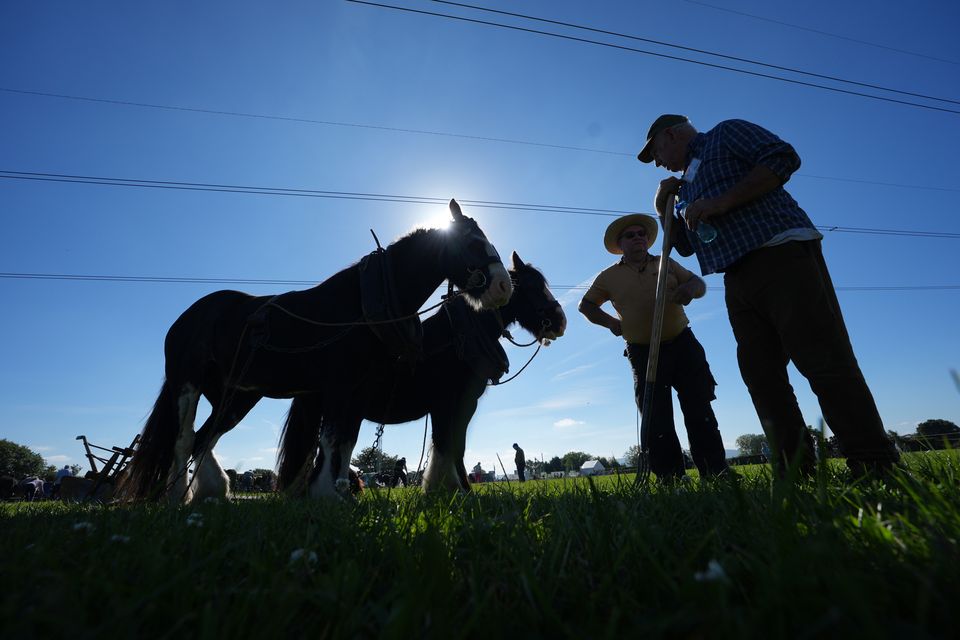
[{"x": 438, "y": 217}]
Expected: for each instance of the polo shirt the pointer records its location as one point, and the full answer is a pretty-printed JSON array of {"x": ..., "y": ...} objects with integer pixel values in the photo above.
[{"x": 633, "y": 293}]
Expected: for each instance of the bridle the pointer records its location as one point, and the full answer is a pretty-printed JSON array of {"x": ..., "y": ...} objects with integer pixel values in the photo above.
[
  {"x": 541, "y": 310},
  {"x": 476, "y": 273}
]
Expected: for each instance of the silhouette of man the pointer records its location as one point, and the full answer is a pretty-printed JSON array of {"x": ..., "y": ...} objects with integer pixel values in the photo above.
[{"x": 521, "y": 461}]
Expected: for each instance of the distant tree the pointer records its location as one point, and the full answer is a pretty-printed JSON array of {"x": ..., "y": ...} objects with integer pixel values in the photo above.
[
  {"x": 632, "y": 456},
  {"x": 76, "y": 469},
  {"x": 573, "y": 460},
  {"x": 833, "y": 448},
  {"x": 614, "y": 463},
  {"x": 750, "y": 444},
  {"x": 368, "y": 457},
  {"x": 19, "y": 461},
  {"x": 265, "y": 479},
  {"x": 937, "y": 427},
  {"x": 555, "y": 464}
]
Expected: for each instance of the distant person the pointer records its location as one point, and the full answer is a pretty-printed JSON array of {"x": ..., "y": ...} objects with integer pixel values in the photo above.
[
  {"x": 780, "y": 298},
  {"x": 31, "y": 488},
  {"x": 400, "y": 472},
  {"x": 65, "y": 472},
  {"x": 521, "y": 462},
  {"x": 630, "y": 285}
]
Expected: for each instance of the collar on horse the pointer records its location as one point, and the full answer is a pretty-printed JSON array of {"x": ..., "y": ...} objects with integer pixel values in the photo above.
[
  {"x": 403, "y": 338},
  {"x": 476, "y": 345}
]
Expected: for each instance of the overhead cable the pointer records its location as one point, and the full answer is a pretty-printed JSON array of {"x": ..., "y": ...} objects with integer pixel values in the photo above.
[
  {"x": 653, "y": 53},
  {"x": 405, "y": 199},
  {"x": 695, "y": 50},
  {"x": 310, "y": 283}
]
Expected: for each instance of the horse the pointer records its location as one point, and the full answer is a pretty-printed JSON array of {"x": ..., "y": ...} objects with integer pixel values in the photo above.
[
  {"x": 234, "y": 349},
  {"x": 462, "y": 352}
]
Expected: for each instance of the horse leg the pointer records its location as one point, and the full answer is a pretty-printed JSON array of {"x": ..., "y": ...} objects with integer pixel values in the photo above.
[
  {"x": 450, "y": 419},
  {"x": 337, "y": 439},
  {"x": 210, "y": 480},
  {"x": 178, "y": 474}
]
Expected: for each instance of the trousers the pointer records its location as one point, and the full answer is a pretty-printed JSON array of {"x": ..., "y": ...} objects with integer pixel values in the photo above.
[
  {"x": 681, "y": 365},
  {"x": 783, "y": 307}
]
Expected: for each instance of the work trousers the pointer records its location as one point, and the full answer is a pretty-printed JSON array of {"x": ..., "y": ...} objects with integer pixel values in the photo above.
[
  {"x": 783, "y": 307},
  {"x": 681, "y": 365}
]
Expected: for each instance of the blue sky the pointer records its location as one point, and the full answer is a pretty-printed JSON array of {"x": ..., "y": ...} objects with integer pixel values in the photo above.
[{"x": 82, "y": 357}]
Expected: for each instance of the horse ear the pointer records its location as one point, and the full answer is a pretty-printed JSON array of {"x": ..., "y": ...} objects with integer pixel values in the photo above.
[
  {"x": 455, "y": 211},
  {"x": 517, "y": 262}
]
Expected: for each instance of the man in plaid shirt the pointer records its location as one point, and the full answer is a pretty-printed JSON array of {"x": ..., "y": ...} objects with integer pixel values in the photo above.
[{"x": 780, "y": 299}]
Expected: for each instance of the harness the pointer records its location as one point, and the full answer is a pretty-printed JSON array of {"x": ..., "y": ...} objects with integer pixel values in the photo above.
[
  {"x": 475, "y": 344},
  {"x": 402, "y": 335}
]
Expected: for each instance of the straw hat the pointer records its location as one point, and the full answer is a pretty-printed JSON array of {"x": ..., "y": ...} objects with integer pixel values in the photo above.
[{"x": 611, "y": 239}]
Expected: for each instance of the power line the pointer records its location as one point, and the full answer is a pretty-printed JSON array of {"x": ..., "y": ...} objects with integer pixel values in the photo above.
[
  {"x": 357, "y": 125},
  {"x": 310, "y": 283},
  {"x": 404, "y": 199},
  {"x": 447, "y": 134},
  {"x": 695, "y": 50},
  {"x": 823, "y": 33},
  {"x": 653, "y": 53}
]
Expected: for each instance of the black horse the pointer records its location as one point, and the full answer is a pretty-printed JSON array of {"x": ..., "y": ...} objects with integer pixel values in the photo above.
[
  {"x": 462, "y": 352},
  {"x": 234, "y": 349}
]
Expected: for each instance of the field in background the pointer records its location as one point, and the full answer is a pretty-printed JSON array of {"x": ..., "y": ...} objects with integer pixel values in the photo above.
[{"x": 564, "y": 559}]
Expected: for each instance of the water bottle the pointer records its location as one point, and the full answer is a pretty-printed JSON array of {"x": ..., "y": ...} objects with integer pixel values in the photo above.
[{"x": 706, "y": 232}]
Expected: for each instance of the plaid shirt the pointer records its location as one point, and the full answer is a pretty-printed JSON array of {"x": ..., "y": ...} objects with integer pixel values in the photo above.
[{"x": 727, "y": 153}]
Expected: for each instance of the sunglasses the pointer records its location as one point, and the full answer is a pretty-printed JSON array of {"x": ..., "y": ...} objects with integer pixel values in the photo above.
[{"x": 630, "y": 235}]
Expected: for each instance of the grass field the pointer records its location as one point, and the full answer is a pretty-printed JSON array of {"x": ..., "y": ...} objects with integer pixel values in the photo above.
[{"x": 558, "y": 559}]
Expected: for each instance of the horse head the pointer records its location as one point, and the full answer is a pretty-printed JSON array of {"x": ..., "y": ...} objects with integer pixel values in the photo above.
[
  {"x": 474, "y": 265},
  {"x": 533, "y": 305}
]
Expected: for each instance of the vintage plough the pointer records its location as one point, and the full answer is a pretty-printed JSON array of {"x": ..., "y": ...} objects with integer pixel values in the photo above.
[{"x": 98, "y": 483}]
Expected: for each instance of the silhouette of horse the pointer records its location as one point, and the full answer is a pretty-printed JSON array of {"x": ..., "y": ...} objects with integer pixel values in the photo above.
[
  {"x": 234, "y": 349},
  {"x": 462, "y": 352}
]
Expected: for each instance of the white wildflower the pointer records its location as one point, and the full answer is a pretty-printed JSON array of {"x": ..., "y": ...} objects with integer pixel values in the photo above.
[
  {"x": 83, "y": 526},
  {"x": 302, "y": 555},
  {"x": 713, "y": 573}
]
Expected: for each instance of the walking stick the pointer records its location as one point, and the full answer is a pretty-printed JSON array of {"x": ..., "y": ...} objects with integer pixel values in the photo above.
[
  {"x": 505, "y": 476},
  {"x": 643, "y": 460}
]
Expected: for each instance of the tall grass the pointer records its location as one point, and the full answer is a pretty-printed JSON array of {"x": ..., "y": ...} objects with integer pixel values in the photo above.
[{"x": 564, "y": 559}]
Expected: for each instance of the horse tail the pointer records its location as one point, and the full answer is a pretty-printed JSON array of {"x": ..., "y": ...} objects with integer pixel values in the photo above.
[
  {"x": 147, "y": 471},
  {"x": 299, "y": 440}
]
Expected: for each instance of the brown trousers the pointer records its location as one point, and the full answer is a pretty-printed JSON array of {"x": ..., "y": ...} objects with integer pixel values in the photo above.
[{"x": 783, "y": 307}]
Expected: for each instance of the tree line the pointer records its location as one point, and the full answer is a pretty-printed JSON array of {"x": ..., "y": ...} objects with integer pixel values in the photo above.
[{"x": 930, "y": 434}]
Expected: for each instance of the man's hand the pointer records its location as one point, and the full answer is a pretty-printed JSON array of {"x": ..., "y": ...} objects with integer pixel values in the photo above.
[
  {"x": 693, "y": 288},
  {"x": 598, "y": 316},
  {"x": 681, "y": 295},
  {"x": 702, "y": 210},
  {"x": 668, "y": 187}
]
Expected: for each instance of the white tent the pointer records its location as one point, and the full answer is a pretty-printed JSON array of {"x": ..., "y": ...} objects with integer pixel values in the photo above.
[{"x": 592, "y": 468}]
